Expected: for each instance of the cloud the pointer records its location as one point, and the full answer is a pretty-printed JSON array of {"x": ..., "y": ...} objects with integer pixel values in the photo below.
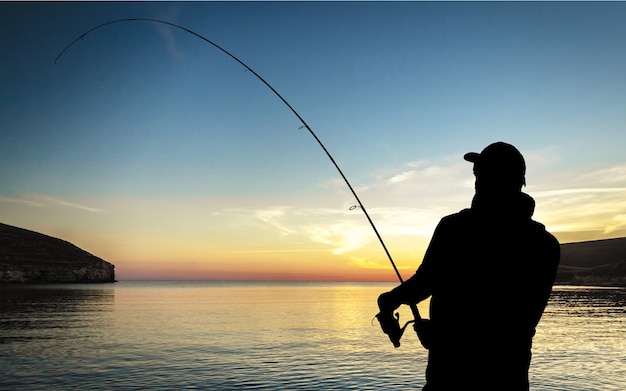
[
  {"x": 537, "y": 160},
  {"x": 405, "y": 211},
  {"x": 44, "y": 201},
  {"x": 168, "y": 32},
  {"x": 21, "y": 201},
  {"x": 410, "y": 200},
  {"x": 274, "y": 217},
  {"x": 341, "y": 236},
  {"x": 593, "y": 200},
  {"x": 276, "y": 251},
  {"x": 369, "y": 264},
  {"x": 407, "y": 202},
  {"x": 342, "y": 230},
  {"x": 320, "y": 225},
  {"x": 607, "y": 175},
  {"x": 72, "y": 205},
  {"x": 618, "y": 223}
]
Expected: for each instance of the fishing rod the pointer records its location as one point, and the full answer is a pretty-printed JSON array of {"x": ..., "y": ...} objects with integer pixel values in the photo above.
[{"x": 389, "y": 324}]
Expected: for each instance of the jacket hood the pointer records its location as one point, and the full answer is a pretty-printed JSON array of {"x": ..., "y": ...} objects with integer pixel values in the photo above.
[{"x": 516, "y": 206}]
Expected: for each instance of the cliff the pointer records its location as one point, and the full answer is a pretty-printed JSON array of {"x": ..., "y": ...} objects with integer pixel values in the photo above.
[
  {"x": 596, "y": 262},
  {"x": 27, "y": 256}
]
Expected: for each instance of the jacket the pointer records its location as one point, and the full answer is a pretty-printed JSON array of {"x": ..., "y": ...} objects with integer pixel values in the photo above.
[{"x": 489, "y": 271}]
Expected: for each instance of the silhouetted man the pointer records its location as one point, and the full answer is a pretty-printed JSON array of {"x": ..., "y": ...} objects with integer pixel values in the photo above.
[{"x": 489, "y": 272}]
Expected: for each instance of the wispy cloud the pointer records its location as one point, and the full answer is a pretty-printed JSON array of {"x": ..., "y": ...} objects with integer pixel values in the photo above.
[
  {"x": 275, "y": 217},
  {"x": 168, "y": 32},
  {"x": 72, "y": 205},
  {"x": 320, "y": 225},
  {"x": 406, "y": 202},
  {"x": 368, "y": 263},
  {"x": 44, "y": 201},
  {"x": 276, "y": 251},
  {"x": 411, "y": 200},
  {"x": 22, "y": 201},
  {"x": 593, "y": 200}
]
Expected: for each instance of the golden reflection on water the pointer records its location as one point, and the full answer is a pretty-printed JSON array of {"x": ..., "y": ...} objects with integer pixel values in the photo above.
[
  {"x": 267, "y": 314},
  {"x": 212, "y": 335},
  {"x": 241, "y": 307}
]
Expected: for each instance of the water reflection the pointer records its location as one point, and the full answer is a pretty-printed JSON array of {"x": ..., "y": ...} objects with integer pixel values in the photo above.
[
  {"x": 267, "y": 336},
  {"x": 580, "y": 341},
  {"x": 47, "y": 311},
  {"x": 591, "y": 301}
]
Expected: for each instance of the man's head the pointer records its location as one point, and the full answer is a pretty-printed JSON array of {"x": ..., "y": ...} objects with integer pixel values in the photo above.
[{"x": 499, "y": 168}]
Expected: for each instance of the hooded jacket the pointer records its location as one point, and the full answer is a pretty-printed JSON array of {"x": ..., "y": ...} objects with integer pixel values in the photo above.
[{"x": 489, "y": 271}]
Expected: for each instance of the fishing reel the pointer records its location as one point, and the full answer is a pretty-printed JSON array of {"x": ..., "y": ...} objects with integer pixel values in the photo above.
[{"x": 390, "y": 324}]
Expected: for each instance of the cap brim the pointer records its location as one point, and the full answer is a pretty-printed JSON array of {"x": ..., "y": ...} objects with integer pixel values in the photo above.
[{"x": 472, "y": 157}]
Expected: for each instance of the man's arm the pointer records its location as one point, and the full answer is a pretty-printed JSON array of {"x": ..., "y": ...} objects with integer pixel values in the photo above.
[
  {"x": 551, "y": 255},
  {"x": 411, "y": 291},
  {"x": 420, "y": 286}
]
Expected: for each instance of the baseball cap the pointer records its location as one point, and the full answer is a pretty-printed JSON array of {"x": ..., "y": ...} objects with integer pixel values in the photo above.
[{"x": 499, "y": 159}]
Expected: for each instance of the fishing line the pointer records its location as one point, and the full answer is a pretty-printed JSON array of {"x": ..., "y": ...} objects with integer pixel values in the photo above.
[{"x": 304, "y": 124}]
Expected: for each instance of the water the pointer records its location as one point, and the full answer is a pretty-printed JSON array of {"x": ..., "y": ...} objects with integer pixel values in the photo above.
[{"x": 267, "y": 336}]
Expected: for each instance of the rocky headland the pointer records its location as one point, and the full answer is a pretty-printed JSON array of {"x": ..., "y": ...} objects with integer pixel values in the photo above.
[
  {"x": 31, "y": 257},
  {"x": 595, "y": 262}
]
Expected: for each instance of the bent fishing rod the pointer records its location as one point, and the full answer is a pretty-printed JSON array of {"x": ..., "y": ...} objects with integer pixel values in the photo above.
[{"x": 389, "y": 324}]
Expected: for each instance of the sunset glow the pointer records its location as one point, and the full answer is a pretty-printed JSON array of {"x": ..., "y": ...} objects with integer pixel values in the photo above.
[{"x": 152, "y": 150}]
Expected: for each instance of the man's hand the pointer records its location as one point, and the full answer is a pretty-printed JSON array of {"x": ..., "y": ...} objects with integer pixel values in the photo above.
[{"x": 387, "y": 304}]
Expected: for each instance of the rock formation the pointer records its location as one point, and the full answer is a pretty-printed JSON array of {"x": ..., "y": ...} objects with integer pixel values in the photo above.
[
  {"x": 31, "y": 257},
  {"x": 594, "y": 262}
]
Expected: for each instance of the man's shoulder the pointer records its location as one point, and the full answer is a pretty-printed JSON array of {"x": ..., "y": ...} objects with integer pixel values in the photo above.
[
  {"x": 541, "y": 230},
  {"x": 462, "y": 217},
  {"x": 467, "y": 217},
  {"x": 550, "y": 242}
]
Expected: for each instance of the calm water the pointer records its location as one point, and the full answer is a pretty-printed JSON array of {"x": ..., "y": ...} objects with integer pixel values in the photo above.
[{"x": 267, "y": 336}]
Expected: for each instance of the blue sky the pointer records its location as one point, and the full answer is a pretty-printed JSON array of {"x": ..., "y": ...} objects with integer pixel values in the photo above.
[{"x": 147, "y": 146}]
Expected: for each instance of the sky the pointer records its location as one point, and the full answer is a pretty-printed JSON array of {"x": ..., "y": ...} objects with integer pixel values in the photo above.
[{"x": 148, "y": 147}]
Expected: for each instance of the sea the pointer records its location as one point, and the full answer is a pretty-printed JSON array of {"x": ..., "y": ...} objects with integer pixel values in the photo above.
[{"x": 203, "y": 335}]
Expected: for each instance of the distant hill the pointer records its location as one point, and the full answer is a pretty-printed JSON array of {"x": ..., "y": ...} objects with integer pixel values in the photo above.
[
  {"x": 596, "y": 262},
  {"x": 28, "y": 256}
]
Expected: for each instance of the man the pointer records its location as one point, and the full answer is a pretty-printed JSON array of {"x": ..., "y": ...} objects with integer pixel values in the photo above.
[{"x": 489, "y": 272}]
